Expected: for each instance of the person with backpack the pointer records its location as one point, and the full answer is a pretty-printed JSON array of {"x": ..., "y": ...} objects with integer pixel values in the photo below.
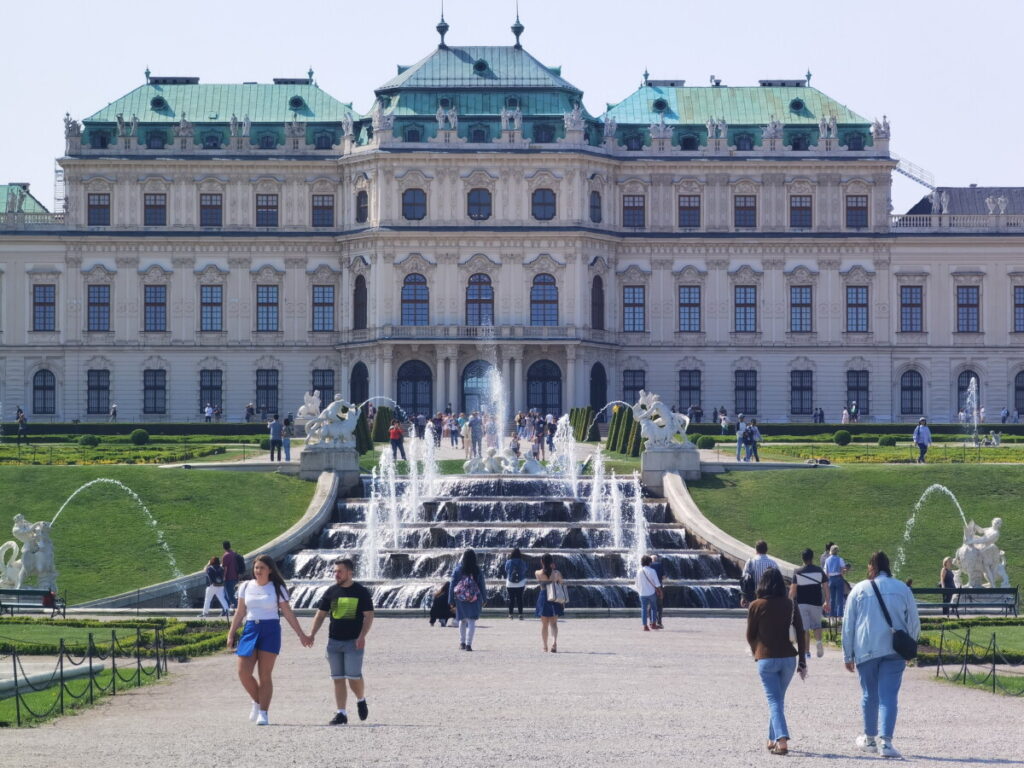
[
  {"x": 515, "y": 581},
  {"x": 215, "y": 587},
  {"x": 234, "y": 569},
  {"x": 741, "y": 427},
  {"x": 467, "y": 595}
]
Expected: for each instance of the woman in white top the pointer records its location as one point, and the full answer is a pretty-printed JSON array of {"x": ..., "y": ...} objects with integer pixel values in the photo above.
[
  {"x": 260, "y": 600},
  {"x": 647, "y": 585}
]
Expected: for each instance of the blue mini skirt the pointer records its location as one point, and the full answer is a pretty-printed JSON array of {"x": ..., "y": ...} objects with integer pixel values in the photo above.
[{"x": 260, "y": 636}]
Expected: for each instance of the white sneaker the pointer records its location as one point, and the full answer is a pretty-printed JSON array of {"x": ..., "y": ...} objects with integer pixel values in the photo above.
[
  {"x": 255, "y": 712},
  {"x": 821, "y": 650},
  {"x": 262, "y": 719},
  {"x": 867, "y": 743},
  {"x": 886, "y": 749}
]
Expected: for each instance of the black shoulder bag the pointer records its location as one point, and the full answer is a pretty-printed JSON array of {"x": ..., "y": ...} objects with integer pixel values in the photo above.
[{"x": 902, "y": 642}]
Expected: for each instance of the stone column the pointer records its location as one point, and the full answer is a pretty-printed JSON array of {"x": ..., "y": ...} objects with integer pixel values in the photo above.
[
  {"x": 569, "y": 401},
  {"x": 386, "y": 384},
  {"x": 517, "y": 392},
  {"x": 439, "y": 378},
  {"x": 452, "y": 353}
]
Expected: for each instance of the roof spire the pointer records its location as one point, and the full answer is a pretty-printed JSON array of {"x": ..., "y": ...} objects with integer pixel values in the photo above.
[
  {"x": 442, "y": 27},
  {"x": 647, "y": 76},
  {"x": 518, "y": 28}
]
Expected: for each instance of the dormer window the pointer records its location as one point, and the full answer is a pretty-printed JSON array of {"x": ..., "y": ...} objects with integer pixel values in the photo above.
[
  {"x": 660, "y": 105},
  {"x": 799, "y": 142},
  {"x": 512, "y": 102},
  {"x": 158, "y": 103},
  {"x": 99, "y": 140},
  {"x": 155, "y": 140},
  {"x": 855, "y": 141},
  {"x": 295, "y": 103},
  {"x": 268, "y": 141},
  {"x": 413, "y": 134},
  {"x": 689, "y": 143},
  {"x": 744, "y": 142},
  {"x": 478, "y": 135},
  {"x": 543, "y": 134},
  {"x": 445, "y": 103},
  {"x": 324, "y": 141},
  {"x": 634, "y": 142},
  {"x": 480, "y": 66},
  {"x": 211, "y": 141}
]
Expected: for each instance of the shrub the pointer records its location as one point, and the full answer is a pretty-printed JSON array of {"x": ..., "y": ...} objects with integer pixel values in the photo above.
[
  {"x": 88, "y": 441},
  {"x": 706, "y": 442},
  {"x": 841, "y": 437},
  {"x": 265, "y": 444},
  {"x": 139, "y": 437},
  {"x": 887, "y": 441}
]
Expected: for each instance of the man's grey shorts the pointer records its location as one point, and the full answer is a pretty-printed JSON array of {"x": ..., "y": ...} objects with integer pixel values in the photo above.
[
  {"x": 345, "y": 660},
  {"x": 810, "y": 615}
]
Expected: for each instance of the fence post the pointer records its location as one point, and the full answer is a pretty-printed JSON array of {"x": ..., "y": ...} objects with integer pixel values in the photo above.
[
  {"x": 156, "y": 650},
  {"x": 17, "y": 690},
  {"x": 113, "y": 662},
  {"x": 60, "y": 664},
  {"x": 967, "y": 653},
  {"x": 993, "y": 662},
  {"x": 942, "y": 637},
  {"x": 91, "y": 673},
  {"x": 138, "y": 656}
]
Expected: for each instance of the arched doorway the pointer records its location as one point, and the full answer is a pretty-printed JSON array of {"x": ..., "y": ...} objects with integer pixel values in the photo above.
[
  {"x": 415, "y": 389},
  {"x": 358, "y": 384},
  {"x": 598, "y": 389},
  {"x": 544, "y": 388},
  {"x": 476, "y": 388}
]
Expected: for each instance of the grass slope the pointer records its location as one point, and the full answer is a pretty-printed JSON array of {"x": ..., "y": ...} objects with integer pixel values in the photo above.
[
  {"x": 102, "y": 542},
  {"x": 864, "y": 508}
]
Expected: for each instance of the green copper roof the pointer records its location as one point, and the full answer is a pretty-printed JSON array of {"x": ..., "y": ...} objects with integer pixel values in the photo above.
[
  {"x": 30, "y": 204},
  {"x": 471, "y": 105},
  {"x": 737, "y": 106},
  {"x": 211, "y": 103},
  {"x": 479, "y": 67}
]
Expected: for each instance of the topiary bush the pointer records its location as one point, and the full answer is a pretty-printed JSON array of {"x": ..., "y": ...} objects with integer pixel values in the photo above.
[
  {"x": 841, "y": 437},
  {"x": 88, "y": 441},
  {"x": 265, "y": 444},
  {"x": 139, "y": 437},
  {"x": 887, "y": 441},
  {"x": 707, "y": 442}
]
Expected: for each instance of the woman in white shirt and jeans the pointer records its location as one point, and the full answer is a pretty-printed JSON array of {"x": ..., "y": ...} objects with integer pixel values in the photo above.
[
  {"x": 260, "y": 600},
  {"x": 648, "y": 584}
]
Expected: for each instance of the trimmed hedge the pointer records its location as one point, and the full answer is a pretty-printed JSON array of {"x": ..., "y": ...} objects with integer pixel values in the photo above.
[
  {"x": 887, "y": 441},
  {"x": 841, "y": 437},
  {"x": 139, "y": 437},
  {"x": 123, "y": 428},
  {"x": 381, "y": 424},
  {"x": 89, "y": 441},
  {"x": 707, "y": 442}
]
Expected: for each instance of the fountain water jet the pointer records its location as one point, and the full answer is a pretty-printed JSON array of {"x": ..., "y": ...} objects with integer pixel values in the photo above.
[
  {"x": 901, "y": 555},
  {"x": 641, "y": 536}
]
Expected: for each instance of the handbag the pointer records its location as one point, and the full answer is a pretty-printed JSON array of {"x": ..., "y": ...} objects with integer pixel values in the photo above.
[
  {"x": 792, "y": 627},
  {"x": 658, "y": 591},
  {"x": 556, "y": 592},
  {"x": 902, "y": 642}
]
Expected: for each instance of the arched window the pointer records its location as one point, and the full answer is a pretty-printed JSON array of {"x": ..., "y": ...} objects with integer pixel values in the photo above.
[
  {"x": 597, "y": 304},
  {"x": 744, "y": 142},
  {"x": 544, "y": 388},
  {"x": 211, "y": 141},
  {"x": 543, "y": 204},
  {"x": 44, "y": 392},
  {"x": 478, "y": 135},
  {"x": 911, "y": 393},
  {"x": 544, "y": 301},
  {"x": 324, "y": 141},
  {"x": 414, "y": 204},
  {"x": 413, "y": 134},
  {"x": 476, "y": 386},
  {"x": 155, "y": 140},
  {"x": 415, "y": 300},
  {"x": 634, "y": 142},
  {"x": 362, "y": 206},
  {"x": 359, "y": 303},
  {"x": 1018, "y": 392},
  {"x": 268, "y": 141},
  {"x": 595, "y": 207},
  {"x": 963, "y": 387},
  {"x": 479, "y": 301},
  {"x": 478, "y": 204},
  {"x": 855, "y": 141},
  {"x": 598, "y": 389},
  {"x": 799, "y": 142},
  {"x": 415, "y": 389},
  {"x": 689, "y": 143},
  {"x": 359, "y": 383}
]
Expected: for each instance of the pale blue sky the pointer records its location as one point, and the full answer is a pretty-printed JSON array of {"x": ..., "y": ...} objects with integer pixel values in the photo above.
[{"x": 946, "y": 73}]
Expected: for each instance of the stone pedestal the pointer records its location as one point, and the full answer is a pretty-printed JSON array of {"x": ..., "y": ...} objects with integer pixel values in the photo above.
[
  {"x": 654, "y": 463},
  {"x": 343, "y": 461}
]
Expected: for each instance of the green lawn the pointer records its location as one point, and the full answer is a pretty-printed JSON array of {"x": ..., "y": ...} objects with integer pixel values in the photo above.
[
  {"x": 904, "y": 453},
  {"x": 864, "y": 508},
  {"x": 103, "y": 543}
]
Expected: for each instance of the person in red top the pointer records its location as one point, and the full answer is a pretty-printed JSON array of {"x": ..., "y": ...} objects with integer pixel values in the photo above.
[{"x": 397, "y": 437}]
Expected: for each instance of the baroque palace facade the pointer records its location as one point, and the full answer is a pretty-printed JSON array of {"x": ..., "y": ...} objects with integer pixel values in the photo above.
[{"x": 719, "y": 245}]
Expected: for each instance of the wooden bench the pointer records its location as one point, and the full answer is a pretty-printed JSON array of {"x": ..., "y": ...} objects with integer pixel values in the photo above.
[
  {"x": 963, "y": 599},
  {"x": 12, "y": 600}
]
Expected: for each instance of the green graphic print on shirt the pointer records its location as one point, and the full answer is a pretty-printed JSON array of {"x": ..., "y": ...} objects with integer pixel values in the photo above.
[{"x": 344, "y": 608}]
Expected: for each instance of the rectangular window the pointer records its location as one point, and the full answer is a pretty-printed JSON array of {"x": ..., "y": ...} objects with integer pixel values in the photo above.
[
  {"x": 967, "y": 308},
  {"x": 689, "y": 308},
  {"x": 632, "y": 383},
  {"x": 1018, "y": 309},
  {"x": 99, "y": 210},
  {"x": 323, "y": 210},
  {"x": 154, "y": 391},
  {"x": 801, "y": 391},
  {"x": 689, "y": 389},
  {"x": 746, "y": 308},
  {"x": 266, "y": 391},
  {"x": 98, "y": 391},
  {"x": 856, "y": 309},
  {"x": 633, "y": 300},
  {"x": 800, "y": 211},
  {"x": 745, "y": 211},
  {"x": 211, "y": 210},
  {"x": 323, "y": 382},
  {"x": 211, "y": 308},
  {"x": 857, "y": 391},
  {"x": 210, "y": 388},
  {"x": 44, "y": 307},
  {"x": 745, "y": 392},
  {"x": 155, "y": 308},
  {"x": 154, "y": 210},
  {"x": 689, "y": 211},
  {"x": 98, "y": 308},
  {"x": 266, "y": 210},
  {"x": 800, "y": 309},
  {"x": 911, "y": 308},
  {"x": 856, "y": 211},
  {"x": 323, "y": 307},
  {"x": 633, "y": 210},
  {"x": 266, "y": 308}
]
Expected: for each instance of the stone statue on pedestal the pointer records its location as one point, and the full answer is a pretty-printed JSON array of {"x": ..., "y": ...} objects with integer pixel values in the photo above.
[
  {"x": 36, "y": 561},
  {"x": 979, "y": 557},
  {"x": 334, "y": 427},
  {"x": 310, "y": 407},
  {"x": 658, "y": 424}
]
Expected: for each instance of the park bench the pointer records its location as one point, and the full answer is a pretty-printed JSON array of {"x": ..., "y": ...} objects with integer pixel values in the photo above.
[
  {"x": 965, "y": 599},
  {"x": 12, "y": 600}
]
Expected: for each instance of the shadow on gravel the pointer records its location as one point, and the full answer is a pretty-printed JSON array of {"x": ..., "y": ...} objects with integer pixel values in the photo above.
[{"x": 907, "y": 757}]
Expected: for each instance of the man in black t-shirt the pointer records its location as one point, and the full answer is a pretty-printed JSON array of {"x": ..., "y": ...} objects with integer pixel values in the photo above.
[
  {"x": 350, "y": 608},
  {"x": 811, "y": 598}
]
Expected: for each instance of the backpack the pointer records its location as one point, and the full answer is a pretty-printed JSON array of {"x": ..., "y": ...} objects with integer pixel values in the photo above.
[
  {"x": 514, "y": 575},
  {"x": 748, "y": 436},
  {"x": 467, "y": 590},
  {"x": 239, "y": 565},
  {"x": 748, "y": 588}
]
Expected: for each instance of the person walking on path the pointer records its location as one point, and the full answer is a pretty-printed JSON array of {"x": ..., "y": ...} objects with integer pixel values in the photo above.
[
  {"x": 647, "y": 585},
  {"x": 741, "y": 428},
  {"x": 547, "y": 610},
  {"x": 467, "y": 594},
  {"x": 659, "y": 568},
  {"x": 229, "y": 562},
  {"x": 947, "y": 582},
  {"x": 808, "y": 589},
  {"x": 754, "y": 439},
  {"x": 397, "y": 438},
  {"x": 515, "y": 581},
  {"x": 22, "y": 421},
  {"x": 215, "y": 587},
  {"x": 476, "y": 434},
  {"x": 350, "y": 607},
  {"x": 868, "y": 650},
  {"x": 753, "y": 569},
  {"x": 768, "y": 621},
  {"x": 287, "y": 433},
  {"x": 836, "y": 569},
  {"x": 260, "y": 601},
  {"x": 208, "y": 413},
  {"x": 922, "y": 438},
  {"x": 113, "y": 414},
  {"x": 275, "y": 427}
]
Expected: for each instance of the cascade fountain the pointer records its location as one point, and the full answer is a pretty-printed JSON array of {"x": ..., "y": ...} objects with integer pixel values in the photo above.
[{"x": 971, "y": 409}]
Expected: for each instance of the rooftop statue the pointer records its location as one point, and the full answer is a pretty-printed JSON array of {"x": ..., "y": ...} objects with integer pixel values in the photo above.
[
  {"x": 609, "y": 127},
  {"x": 234, "y": 125},
  {"x": 134, "y": 125},
  {"x": 246, "y": 125},
  {"x": 72, "y": 127},
  {"x": 660, "y": 130},
  {"x": 184, "y": 128},
  {"x": 121, "y": 129},
  {"x": 573, "y": 120},
  {"x": 346, "y": 124},
  {"x": 517, "y": 119}
]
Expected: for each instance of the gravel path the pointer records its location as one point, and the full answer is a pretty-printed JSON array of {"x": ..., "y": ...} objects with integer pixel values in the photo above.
[{"x": 612, "y": 696}]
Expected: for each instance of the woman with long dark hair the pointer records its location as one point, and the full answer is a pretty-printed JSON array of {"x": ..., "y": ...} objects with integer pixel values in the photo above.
[
  {"x": 768, "y": 621},
  {"x": 261, "y": 601},
  {"x": 515, "y": 581},
  {"x": 548, "y": 610},
  {"x": 466, "y": 595}
]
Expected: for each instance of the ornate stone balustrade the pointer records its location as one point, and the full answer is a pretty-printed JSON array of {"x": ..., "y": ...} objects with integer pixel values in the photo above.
[{"x": 1010, "y": 223}]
